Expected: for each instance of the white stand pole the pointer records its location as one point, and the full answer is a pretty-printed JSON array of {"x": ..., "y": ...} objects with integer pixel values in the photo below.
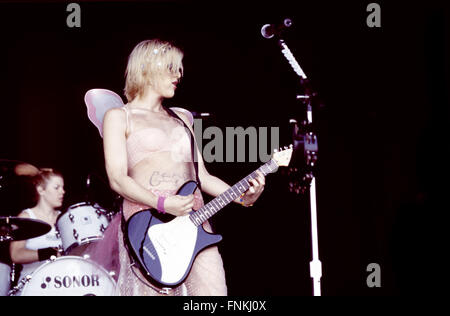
[{"x": 315, "y": 266}]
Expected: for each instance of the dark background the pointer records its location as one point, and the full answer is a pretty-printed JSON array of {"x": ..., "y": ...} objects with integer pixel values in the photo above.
[{"x": 382, "y": 133}]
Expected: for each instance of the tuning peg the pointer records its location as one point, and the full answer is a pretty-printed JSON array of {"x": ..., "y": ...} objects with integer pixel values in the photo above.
[{"x": 275, "y": 150}]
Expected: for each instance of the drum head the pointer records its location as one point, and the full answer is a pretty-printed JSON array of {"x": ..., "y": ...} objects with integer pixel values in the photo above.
[{"x": 70, "y": 276}]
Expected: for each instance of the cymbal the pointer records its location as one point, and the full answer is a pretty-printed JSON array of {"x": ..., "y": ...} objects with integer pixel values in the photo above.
[
  {"x": 16, "y": 167},
  {"x": 17, "y": 228}
]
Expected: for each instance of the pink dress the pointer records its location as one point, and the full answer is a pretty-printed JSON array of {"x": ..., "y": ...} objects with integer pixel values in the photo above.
[{"x": 207, "y": 276}]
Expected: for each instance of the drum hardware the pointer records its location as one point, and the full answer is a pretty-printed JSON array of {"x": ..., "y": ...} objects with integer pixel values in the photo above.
[
  {"x": 16, "y": 289},
  {"x": 12, "y": 275},
  {"x": 99, "y": 213},
  {"x": 75, "y": 234},
  {"x": 5, "y": 230},
  {"x": 71, "y": 217}
]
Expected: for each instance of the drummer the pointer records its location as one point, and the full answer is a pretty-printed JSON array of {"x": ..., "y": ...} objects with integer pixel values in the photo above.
[{"x": 31, "y": 253}]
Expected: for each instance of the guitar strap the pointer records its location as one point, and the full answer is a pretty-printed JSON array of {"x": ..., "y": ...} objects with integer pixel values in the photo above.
[{"x": 193, "y": 146}]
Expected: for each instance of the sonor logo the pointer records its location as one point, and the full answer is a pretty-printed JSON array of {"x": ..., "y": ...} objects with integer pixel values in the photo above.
[{"x": 72, "y": 281}]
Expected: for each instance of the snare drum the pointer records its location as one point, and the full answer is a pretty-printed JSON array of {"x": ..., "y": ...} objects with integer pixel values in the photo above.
[
  {"x": 81, "y": 224},
  {"x": 68, "y": 276}
]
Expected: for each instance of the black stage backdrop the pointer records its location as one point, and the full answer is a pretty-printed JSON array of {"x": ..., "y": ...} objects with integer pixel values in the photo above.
[{"x": 382, "y": 131}]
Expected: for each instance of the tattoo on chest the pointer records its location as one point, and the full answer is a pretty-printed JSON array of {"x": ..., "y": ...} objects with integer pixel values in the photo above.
[{"x": 168, "y": 177}]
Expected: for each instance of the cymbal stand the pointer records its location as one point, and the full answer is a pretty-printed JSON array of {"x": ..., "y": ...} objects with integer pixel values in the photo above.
[{"x": 5, "y": 231}]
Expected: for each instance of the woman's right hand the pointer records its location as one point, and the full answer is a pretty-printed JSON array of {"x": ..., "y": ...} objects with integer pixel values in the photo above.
[{"x": 179, "y": 205}]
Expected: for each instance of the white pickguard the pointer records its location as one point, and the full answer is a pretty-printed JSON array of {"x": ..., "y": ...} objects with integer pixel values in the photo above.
[{"x": 174, "y": 243}]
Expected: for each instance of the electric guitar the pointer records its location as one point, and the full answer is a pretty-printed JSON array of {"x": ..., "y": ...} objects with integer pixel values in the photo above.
[{"x": 164, "y": 247}]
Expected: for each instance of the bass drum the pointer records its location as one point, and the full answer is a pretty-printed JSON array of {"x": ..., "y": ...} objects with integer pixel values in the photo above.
[{"x": 69, "y": 276}]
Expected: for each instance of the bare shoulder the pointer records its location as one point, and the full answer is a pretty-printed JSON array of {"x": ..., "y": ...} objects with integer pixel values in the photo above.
[
  {"x": 115, "y": 114},
  {"x": 114, "y": 122},
  {"x": 115, "y": 117},
  {"x": 24, "y": 214}
]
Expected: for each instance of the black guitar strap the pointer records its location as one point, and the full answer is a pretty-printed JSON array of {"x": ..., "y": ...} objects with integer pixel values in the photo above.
[{"x": 193, "y": 146}]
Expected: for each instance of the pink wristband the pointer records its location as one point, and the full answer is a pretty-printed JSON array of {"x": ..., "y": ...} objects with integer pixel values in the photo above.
[{"x": 160, "y": 206}]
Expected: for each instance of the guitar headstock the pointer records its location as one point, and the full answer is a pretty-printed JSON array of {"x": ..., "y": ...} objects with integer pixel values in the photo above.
[{"x": 283, "y": 156}]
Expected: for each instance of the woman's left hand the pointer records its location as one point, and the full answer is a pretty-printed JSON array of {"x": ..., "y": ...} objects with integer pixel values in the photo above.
[{"x": 255, "y": 190}]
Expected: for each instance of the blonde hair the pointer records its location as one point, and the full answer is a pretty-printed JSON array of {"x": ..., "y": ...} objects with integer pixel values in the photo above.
[
  {"x": 147, "y": 62},
  {"x": 44, "y": 176}
]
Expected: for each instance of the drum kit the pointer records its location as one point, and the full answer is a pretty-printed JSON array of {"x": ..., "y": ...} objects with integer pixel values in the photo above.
[{"x": 72, "y": 273}]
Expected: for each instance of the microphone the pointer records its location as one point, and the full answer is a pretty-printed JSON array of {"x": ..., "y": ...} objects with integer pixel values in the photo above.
[
  {"x": 201, "y": 114},
  {"x": 270, "y": 30}
]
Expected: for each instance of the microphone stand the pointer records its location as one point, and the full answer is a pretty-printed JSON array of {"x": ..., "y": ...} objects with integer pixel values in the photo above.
[{"x": 310, "y": 154}]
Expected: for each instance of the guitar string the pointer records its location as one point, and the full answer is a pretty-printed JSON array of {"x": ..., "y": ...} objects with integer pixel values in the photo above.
[{"x": 215, "y": 204}]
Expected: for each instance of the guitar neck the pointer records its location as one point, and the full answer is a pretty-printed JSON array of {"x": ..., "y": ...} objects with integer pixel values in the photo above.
[{"x": 215, "y": 205}]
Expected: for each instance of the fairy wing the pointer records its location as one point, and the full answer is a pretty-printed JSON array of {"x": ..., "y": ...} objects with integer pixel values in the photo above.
[{"x": 98, "y": 102}]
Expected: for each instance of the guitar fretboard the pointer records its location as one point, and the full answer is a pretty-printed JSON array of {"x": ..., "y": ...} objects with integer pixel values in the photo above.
[{"x": 215, "y": 205}]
